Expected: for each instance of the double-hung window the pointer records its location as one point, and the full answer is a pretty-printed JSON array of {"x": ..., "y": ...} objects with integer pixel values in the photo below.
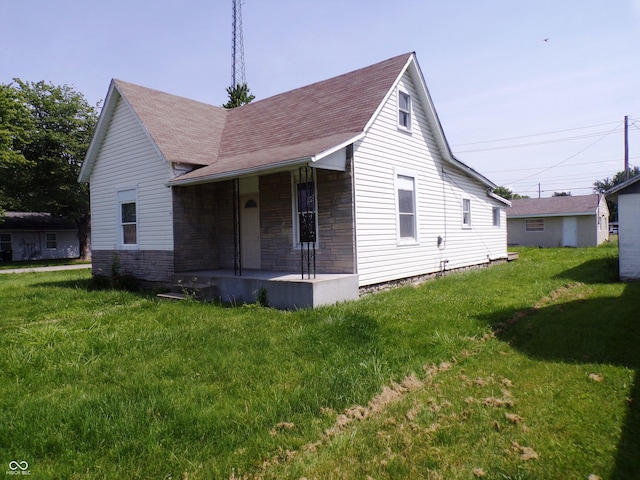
[
  {"x": 496, "y": 216},
  {"x": 51, "y": 241},
  {"x": 407, "y": 230},
  {"x": 128, "y": 217},
  {"x": 5, "y": 242},
  {"x": 404, "y": 110},
  {"x": 466, "y": 212}
]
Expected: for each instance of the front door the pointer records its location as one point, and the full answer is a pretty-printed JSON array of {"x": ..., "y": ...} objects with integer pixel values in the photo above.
[
  {"x": 569, "y": 232},
  {"x": 250, "y": 231}
]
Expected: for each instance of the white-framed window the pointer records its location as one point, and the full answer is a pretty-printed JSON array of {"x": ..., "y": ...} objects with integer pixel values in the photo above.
[
  {"x": 5, "y": 242},
  {"x": 406, "y": 208},
  {"x": 497, "y": 211},
  {"x": 305, "y": 208},
  {"x": 534, "y": 225},
  {"x": 404, "y": 110},
  {"x": 51, "y": 241},
  {"x": 466, "y": 212},
  {"x": 128, "y": 217}
]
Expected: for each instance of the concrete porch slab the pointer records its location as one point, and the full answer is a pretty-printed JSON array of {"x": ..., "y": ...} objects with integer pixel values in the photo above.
[{"x": 287, "y": 291}]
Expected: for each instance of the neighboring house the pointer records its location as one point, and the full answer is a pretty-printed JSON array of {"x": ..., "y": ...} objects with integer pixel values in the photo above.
[
  {"x": 349, "y": 179},
  {"x": 567, "y": 221},
  {"x": 35, "y": 236},
  {"x": 628, "y": 197}
]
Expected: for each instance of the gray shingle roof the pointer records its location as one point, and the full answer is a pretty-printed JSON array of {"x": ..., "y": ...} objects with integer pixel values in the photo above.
[
  {"x": 294, "y": 125},
  {"x": 35, "y": 221},
  {"x": 554, "y": 206}
]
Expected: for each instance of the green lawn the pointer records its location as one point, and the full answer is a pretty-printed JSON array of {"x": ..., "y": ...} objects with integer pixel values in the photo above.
[
  {"x": 521, "y": 371},
  {"x": 53, "y": 262}
]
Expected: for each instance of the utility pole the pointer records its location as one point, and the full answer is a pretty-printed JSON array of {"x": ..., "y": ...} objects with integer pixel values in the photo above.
[
  {"x": 626, "y": 147},
  {"x": 539, "y": 191}
]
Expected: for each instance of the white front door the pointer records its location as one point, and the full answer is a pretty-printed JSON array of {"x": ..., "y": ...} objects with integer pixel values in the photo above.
[
  {"x": 250, "y": 231},
  {"x": 569, "y": 232}
]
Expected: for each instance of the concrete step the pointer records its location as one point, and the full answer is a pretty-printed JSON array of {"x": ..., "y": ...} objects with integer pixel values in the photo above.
[{"x": 173, "y": 296}]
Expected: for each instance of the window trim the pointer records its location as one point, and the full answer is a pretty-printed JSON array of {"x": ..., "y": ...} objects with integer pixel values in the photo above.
[
  {"x": 497, "y": 215},
  {"x": 399, "y": 175},
  {"x": 295, "y": 181},
  {"x": 46, "y": 241},
  {"x": 126, "y": 195},
  {"x": 408, "y": 111},
  {"x": 466, "y": 213}
]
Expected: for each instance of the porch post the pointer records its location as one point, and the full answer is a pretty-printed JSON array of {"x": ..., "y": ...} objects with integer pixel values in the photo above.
[{"x": 237, "y": 251}]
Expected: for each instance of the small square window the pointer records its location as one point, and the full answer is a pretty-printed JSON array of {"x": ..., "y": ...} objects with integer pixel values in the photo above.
[{"x": 404, "y": 110}]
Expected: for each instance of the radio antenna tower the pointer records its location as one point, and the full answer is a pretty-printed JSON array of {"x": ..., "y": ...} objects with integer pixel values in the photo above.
[{"x": 237, "y": 52}]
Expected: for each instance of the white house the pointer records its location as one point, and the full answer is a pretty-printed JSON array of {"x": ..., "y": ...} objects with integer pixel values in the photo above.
[
  {"x": 37, "y": 236},
  {"x": 350, "y": 180},
  {"x": 628, "y": 196},
  {"x": 566, "y": 221}
]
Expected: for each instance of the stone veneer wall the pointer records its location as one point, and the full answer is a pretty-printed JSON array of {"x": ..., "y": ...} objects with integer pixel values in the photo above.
[
  {"x": 203, "y": 227},
  {"x": 148, "y": 265},
  {"x": 336, "y": 251}
]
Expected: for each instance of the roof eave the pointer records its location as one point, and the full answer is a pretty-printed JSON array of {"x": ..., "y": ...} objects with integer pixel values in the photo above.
[
  {"x": 246, "y": 172},
  {"x": 546, "y": 215},
  {"x": 99, "y": 133}
]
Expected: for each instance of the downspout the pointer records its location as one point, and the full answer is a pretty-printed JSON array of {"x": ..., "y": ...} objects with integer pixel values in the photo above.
[{"x": 354, "y": 236}]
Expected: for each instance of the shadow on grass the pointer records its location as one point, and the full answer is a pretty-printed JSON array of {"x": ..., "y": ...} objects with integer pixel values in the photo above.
[{"x": 600, "y": 330}]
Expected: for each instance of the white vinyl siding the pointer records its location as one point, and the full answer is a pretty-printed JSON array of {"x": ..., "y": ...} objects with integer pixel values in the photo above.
[
  {"x": 629, "y": 236},
  {"x": 440, "y": 188},
  {"x": 127, "y": 155}
]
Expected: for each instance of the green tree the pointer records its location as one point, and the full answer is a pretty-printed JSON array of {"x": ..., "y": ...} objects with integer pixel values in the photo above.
[
  {"x": 506, "y": 193},
  {"x": 601, "y": 186},
  {"x": 53, "y": 144},
  {"x": 14, "y": 124},
  {"x": 238, "y": 95}
]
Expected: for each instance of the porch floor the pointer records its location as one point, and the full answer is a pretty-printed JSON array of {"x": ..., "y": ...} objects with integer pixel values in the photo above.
[{"x": 284, "y": 290}]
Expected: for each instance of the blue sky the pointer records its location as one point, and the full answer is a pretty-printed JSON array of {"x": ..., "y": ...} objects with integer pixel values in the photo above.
[{"x": 557, "y": 106}]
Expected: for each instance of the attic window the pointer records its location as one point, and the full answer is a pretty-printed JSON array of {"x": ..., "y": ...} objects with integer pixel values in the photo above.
[{"x": 404, "y": 110}]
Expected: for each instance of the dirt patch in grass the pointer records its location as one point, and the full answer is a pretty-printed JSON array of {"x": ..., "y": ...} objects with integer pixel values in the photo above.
[{"x": 567, "y": 292}]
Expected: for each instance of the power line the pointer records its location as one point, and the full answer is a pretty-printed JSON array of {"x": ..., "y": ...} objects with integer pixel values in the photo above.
[
  {"x": 535, "y": 134},
  {"x": 542, "y": 142},
  {"x": 568, "y": 165},
  {"x": 570, "y": 157}
]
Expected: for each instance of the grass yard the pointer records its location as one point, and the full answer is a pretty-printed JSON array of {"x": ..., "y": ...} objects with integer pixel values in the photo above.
[{"x": 526, "y": 370}]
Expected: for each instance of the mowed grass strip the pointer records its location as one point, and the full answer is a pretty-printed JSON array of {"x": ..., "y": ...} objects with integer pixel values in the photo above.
[{"x": 109, "y": 384}]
